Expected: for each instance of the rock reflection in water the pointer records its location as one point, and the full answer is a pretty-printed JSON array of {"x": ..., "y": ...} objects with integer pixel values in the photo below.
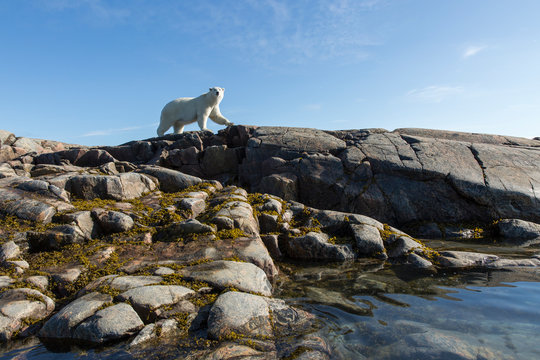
[{"x": 368, "y": 310}]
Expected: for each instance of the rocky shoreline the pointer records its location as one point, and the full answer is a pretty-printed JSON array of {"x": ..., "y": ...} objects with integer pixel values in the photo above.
[{"x": 179, "y": 236}]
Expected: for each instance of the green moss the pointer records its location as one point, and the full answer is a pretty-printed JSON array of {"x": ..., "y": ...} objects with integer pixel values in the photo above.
[{"x": 230, "y": 234}]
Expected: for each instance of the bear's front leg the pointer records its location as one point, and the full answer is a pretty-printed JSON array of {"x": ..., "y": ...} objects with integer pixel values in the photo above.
[
  {"x": 218, "y": 118},
  {"x": 202, "y": 119}
]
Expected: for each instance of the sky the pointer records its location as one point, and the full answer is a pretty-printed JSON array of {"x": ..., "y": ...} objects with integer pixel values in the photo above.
[{"x": 98, "y": 72}]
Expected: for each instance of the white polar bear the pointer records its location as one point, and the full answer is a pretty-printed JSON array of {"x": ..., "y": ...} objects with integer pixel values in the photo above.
[{"x": 183, "y": 111}]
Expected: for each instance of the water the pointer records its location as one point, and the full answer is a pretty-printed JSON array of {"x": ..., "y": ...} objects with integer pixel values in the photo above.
[
  {"x": 368, "y": 310},
  {"x": 380, "y": 315}
]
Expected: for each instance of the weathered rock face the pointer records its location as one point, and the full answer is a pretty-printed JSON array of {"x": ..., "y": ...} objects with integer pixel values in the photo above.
[{"x": 399, "y": 177}]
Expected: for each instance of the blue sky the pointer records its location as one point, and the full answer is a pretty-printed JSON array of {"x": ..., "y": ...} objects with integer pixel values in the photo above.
[{"x": 98, "y": 72}]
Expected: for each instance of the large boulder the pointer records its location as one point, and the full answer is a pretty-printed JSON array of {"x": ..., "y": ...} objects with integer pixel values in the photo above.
[
  {"x": 170, "y": 180},
  {"x": 315, "y": 246},
  {"x": 118, "y": 187},
  {"x": 518, "y": 230}
]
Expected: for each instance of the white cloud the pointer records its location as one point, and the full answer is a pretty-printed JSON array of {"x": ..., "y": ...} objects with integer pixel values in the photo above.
[
  {"x": 108, "y": 132},
  {"x": 434, "y": 93},
  {"x": 473, "y": 50},
  {"x": 313, "y": 107},
  {"x": 97, "y": 9}
]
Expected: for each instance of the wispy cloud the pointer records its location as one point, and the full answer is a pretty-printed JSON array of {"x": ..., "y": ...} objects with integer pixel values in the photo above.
[
  {"x": 96, "y": 9},
  {"x": 434, "y": 93},
  {"x": 108, "y": 132},
  {"x": 291, "y": 32},
  {"x": 312, "y": 107},
  {"x": 473, "y": 50}
]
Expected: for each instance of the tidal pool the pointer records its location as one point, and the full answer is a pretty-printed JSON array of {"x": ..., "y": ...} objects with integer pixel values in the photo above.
[{"x": 369, "y": 310}]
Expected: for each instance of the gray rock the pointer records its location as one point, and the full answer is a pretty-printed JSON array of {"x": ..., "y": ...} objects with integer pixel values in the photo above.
[
  {"x": 162, "y": 270},
  {"x": 272, "y": 244},
  {"x": 196, "y": 206},
  {"x": 124, "y": 186},
  {"x": 9, "y": 250},
  {"x": 231, "y": 351},
  {"x": 6, "y": 138},
  {"x": 402, "y": 246},
  {"x": 146, "y": 299},
  {"x": 518, "y": 229},
  {"x": 62, "y": 324},
  {"x": 368, "y": 239},
  {"x": 253, "y": 320},
  {"x": 5, "y": 281},
  {"x": 39, "y": 281},
  {"x": 219, "y": 159},
  {"x": 113, "y": 221},
  {"x": 419, "y": 262},
  {"x": 253, "y": 250},
  {"x": 55, "y": 238},
  {"x": 121, "y": 283},
  {"x": 223, "y": 222},
  {"x": 27, "y": 209},
  {"x": 112, "y": 323},
  {"x": 242, "y": 276},
  {"x": 268, "y": 223},
  {"x": 242, "y": 215},
  {"x": 283, "y": 185},
  {"x": 170, "y": 180},
  {"x": 464, "y": 259},
  {"x": 17, "y": 305},
  {"x": 85, "y": 222},
  {"x": 28, "y": 144},
  {"x": 6, "y": 170},
  {"x": 315, "y": 246}
]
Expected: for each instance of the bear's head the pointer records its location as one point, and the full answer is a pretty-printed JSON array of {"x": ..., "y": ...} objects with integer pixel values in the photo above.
[{"x": 217, "y": 92}]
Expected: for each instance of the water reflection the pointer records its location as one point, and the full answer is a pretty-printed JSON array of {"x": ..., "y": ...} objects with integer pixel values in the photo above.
[{"x": 371, "y": 311}]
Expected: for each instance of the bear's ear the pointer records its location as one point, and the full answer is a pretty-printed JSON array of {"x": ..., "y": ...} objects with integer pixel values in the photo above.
[{"x": 210, "y": 89}]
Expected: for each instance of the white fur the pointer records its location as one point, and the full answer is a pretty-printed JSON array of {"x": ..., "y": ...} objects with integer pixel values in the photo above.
[{"x": 183, "y": 111}]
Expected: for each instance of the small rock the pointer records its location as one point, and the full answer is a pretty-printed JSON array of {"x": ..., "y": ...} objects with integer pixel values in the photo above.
[
  {"x": 163, "y": 271},
  {"x": 272, "y": 244},
  {"x": 9, "y": 250},
  {"x": 39, "y": 281},
  {"x": 170, "y": 180},
  {"x": 196, "y": 206},
  {"x": 368, "y": 239},
  {"x": 223, "y": 222},
  {"x": 113, "y": 221},
  {"x": 402, "y": 246},
  {"x": 315, "y": 246}
]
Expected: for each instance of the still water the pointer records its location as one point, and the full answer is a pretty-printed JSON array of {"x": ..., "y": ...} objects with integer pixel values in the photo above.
[{"x": 368, "y": 310}]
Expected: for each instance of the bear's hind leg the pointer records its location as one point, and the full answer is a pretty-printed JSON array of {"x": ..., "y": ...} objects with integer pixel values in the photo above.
[
  {"x": 162, "y": 129},
  {"x": 178, "y": 127}
]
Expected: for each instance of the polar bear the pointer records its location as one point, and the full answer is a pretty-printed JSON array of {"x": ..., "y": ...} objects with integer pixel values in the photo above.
[{"x": 183, "y": 111}]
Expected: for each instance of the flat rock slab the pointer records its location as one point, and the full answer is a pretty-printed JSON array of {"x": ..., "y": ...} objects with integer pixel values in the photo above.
[
  {"x": 122, "y": 283},
  {"x": 63, "y": 324},
  {"x": 223, "y": 273},
  {"x": 145, "y": 299},
  {"x": 124, "y": 186},
  {"x": 112, "y": 323},
  {"x": 462, "y": 259},
  {"x": 17, "y": 305},
  {"x": 240, "y": 313}
]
